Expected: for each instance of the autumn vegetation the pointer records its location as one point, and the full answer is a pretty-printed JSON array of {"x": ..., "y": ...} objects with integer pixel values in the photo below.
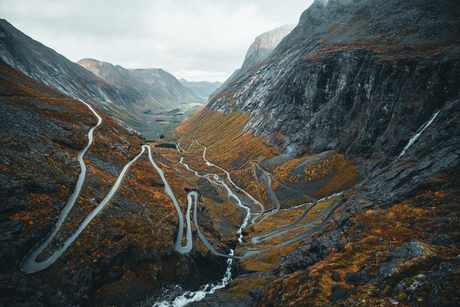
[{"x": 129, "y": 245}]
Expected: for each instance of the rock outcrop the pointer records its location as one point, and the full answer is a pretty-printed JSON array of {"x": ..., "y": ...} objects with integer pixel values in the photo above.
[{"x": 262, "y": 46}]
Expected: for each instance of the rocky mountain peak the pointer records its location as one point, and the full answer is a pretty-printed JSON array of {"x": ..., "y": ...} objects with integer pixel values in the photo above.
[
  {"x": 321, "y": 2},
  {"x": 95, "y": 66},
  {"x": 262, "y": 46}
]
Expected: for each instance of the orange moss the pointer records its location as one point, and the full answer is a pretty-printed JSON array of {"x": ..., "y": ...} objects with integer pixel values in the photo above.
[
  {"x": 345, "y": 175},
  {"x": 282, "y": 171}
]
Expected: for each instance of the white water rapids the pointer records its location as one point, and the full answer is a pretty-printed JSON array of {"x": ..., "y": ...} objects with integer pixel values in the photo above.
[{"x": 189, "y": 297}]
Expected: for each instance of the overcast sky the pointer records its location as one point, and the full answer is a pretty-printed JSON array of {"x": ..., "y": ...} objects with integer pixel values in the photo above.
[{"x": 192, "y": 39}]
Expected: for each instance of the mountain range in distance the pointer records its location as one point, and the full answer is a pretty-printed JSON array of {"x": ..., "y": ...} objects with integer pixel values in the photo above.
[
  {"x": 157, "y": 85},
  {"x": 128, "y": 94},
  {"x": 202, "y": 88},
  {"x": 124, "y": 93}
]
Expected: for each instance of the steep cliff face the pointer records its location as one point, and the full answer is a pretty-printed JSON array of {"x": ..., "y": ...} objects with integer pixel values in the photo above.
[
  {"x": 348, "y": 59},
  {"x": 379, "y": 83},
  {"x": 354, "y": 77},
  {"x": 262, "y": 46},
  {"x": 145, "y": 86}
]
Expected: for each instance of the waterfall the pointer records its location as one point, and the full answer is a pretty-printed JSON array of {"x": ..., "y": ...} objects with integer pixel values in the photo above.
[{"x": 417, "y": 134}]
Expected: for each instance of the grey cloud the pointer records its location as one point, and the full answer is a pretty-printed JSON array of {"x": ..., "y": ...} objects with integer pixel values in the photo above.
[{"x": 184, "y": 37}]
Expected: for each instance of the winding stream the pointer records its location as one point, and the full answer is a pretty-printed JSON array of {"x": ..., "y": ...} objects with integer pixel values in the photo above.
[
  {"x": 245, "y": 223},
  {"x": 189, "y": 297}
]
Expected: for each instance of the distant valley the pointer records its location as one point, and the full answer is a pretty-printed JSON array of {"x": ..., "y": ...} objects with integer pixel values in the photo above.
[
  {"x": 123, "y": 93},
  {"x": 202, "y": 88}
]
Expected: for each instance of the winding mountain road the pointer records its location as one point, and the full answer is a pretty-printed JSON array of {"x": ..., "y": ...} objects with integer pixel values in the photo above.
[
  {"x": 272, "y": 194},
  {"x": 30, "y": 265},
  {"x": 324, "y": 217}
]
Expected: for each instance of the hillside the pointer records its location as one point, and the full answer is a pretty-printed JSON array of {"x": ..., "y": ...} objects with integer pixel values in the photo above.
[
  {"x": 129, "y": 245},
  {"x": 360, "y": 99},
  {"x": 121, "y": 95}
]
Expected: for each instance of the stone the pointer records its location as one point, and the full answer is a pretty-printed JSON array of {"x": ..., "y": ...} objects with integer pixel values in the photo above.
[{"x": 339, "y": 294}]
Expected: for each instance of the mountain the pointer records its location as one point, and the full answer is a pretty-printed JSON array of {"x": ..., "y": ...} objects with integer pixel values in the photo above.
[
  {"x": 202, "y": 88},
  {"x": 144, "y": 85},
  {"x": 125, "y": 98},
  {"x": 128, "y": 244},
  {"x": 41, "y": 63},
  {"x": 362, "y": 99},
  {"x": 258, "y": 50},
  {"x": 264, "y": 44},
  {"x": 325, "y": 175}
]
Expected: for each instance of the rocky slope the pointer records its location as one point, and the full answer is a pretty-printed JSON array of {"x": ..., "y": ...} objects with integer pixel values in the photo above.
[
  {"x": 202, "y": 88},
  {"x": 126, "y": 253},
  {"x": 262, "y": 46},
  {"x": 122, "y": 96},
  {"x": 378, "y": 83}
]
